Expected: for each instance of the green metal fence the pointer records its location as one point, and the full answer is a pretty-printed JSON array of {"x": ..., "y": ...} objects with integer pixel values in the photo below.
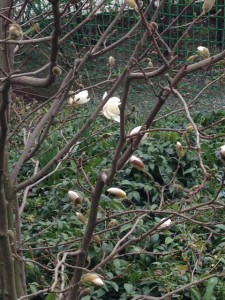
[{"x": 208, "y": 32}]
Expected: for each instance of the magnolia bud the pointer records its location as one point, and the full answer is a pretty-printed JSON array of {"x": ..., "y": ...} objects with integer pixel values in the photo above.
[
  {"x": 167, "y": 75},
  {"x": 90, "y": 278},
  {"x": 132, "y": 4},
  {"x": 165, "y": 224},
  {"x": 154, "y": 26},
  {"x": 150, "y": 64},
  {"x": 134, "y": 132},
  {"x": 74, "y": 197},
  {"x": 111, "y": 61},
  {"x": 192, "y": 58},
  {"x": 117, "y": 192},
  {"x": 81, "y": 217},
  {"x": 15, "y": 31},
  {"x": 180, "y": 150},
  {"x": 56, "y": 70},
  {"x": 203, "y": 52},
  {"x": 189, "y": 127},
  {"x": 106, "y": 135},
  {"x": 112, "y": 223},
  {"x": 136, "y": 162},
  {"x": 207, "y": 5},
  {"x": 96, "y": 239},
  {"x": 222, "y": 154}
]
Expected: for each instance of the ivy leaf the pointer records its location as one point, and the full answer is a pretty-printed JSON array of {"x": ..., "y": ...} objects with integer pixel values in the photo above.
[
  {"x": 195, "y": 295},
  {"x": 181, "y": 268},
  {"x": 50, "y": 297},
  {"x": 129, "y": 288},
  {"x": 211, "y": 283}
]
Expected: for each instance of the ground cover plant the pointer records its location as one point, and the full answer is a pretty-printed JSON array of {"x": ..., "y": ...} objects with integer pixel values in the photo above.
[{"x": 100, "y": 199}]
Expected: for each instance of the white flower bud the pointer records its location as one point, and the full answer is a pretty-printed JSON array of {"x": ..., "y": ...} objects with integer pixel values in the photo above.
[
  {"x": 75, "y": 198},
  {"x": 15, "y": 31},
  {"x": 112, "y": 223},
  {"x": 79, "y": 99},
  {"x": 136, "y": 162},
  {"x": 111, "y": 61},
  {"x": 207, "y": 5},
  {"x": 111, "y": 109},
  {"x": 165, "y": 224},
  {"x": 222, "y": 154},
  {"x": 180, "y": 150},
  {"x": 90, "y": 278},
  {"x": 96, "y": 238},
  {"x": 132, "y": 4},
  {"x": 203, "y": 52},
  {"x": 73, "y": 195},
  {"x": 134, "y": 132},
  {"x": 81, "y": 217},
  {"x": 117, "y": 192},
  {"x": 56, "y": 70}
]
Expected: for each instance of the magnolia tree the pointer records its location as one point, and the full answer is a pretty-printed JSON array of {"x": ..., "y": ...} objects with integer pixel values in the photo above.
[{"x": 26, "y": 127}]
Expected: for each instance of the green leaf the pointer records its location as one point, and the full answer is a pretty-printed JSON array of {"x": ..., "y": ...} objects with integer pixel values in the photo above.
[
  {"x": 88, "y": 297},
  {"x": 50, "y": 297},
  {"x": 126, "y": 182},
  {"x": 125, "y": 227},
  {"x": 220, "y": 226},
  {"x": 114, "y": 285},
  {"x": 211, "y": 283},
  {"x": 135, "y": 195},
  {"x": 168, "y": 240},
  {"x": 117, "y": 263},
  {"x": 115, "y": 205},
  {"x": 195, "y": 295},
  {"x": 154, "y": 238},
  {"x": 128, "y": 287},
  {"x": 181, "y": 268},
  {"x": 190, "y": 170}
]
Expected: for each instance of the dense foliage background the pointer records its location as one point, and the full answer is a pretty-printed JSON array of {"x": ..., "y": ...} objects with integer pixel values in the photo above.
[{"x": 161, "y": 262}]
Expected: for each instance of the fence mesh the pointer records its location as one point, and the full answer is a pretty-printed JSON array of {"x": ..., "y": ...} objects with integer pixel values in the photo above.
[{"x": 207, "y": 32}]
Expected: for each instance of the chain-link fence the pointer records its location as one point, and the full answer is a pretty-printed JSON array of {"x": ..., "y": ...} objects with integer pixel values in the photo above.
[{"x": 208, "y": 31}]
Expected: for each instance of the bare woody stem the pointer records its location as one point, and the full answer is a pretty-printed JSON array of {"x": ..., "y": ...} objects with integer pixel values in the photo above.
[{"x": 81, "y": 257}]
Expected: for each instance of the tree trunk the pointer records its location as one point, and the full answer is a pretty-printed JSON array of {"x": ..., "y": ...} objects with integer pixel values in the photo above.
[{"x": 10, "y": 282}]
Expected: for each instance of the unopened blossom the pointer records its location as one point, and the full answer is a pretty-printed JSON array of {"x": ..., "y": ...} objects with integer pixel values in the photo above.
[
  {"x": 73, "y": 195},
  {"x": 79, "y": 99},
  {"x": 56, "y": 70},
  {"x": 203, "y": 51},
  {"x": 111, "y": 109},
  {"x": 111, "y": 61},
  {"x": 207, "y": 5},
  {"x": 90, "y": 278},
  {"x": 134, "y": 132},
  {"x": 81, "y": 217},
  {"x": 189, "y": 127},
  {"x": 112, "y": 223},
  {"x": 117, "y": 192},
  {"x": 136, "y": 162},
  {"x": 96, "y": 238},
  {"x": 132, "y": 4},
  {"x": 15, "y": 31},
  {"x": 165, "y": 224},
  {"x": 75, "y": 198},
  {"x": 222, "y": 153},
  {"x": 150, "y": 64},
  {"x": 180, "y": 150},
  {"x": 98, "y": 281}
]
